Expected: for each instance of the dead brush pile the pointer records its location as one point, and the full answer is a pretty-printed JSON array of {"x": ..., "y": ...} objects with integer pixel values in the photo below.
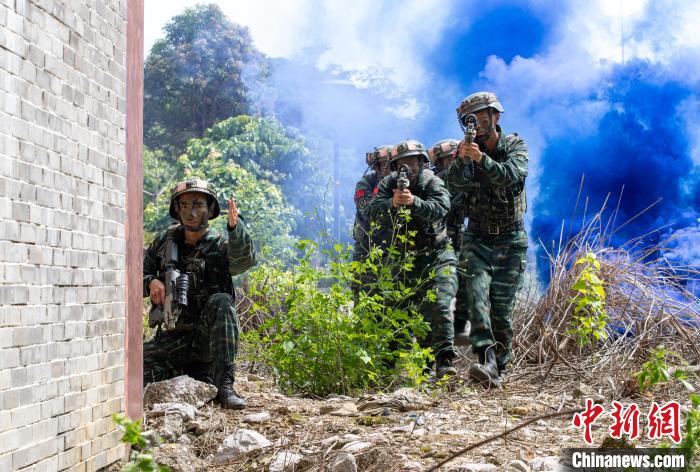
[{"x": 646, "y": 303}]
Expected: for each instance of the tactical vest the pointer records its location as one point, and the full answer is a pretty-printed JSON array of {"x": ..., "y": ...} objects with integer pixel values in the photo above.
[
  {"x": 205, "y": 266},
  {"x": 362, "y": 227},
  {"x": 429, "y": 234},
  {"x": 495, "y": 206},
  {"x": 454, "y": 220}
]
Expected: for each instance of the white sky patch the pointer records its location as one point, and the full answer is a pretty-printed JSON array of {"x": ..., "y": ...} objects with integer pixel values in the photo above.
[
  {"x": 275, "y": 26},
  {"x": 366, "y": 34},
  {"x": 622, "y": 30},
  {"x": 410, "y": 108},
  {"x": 603, "y": 26}
]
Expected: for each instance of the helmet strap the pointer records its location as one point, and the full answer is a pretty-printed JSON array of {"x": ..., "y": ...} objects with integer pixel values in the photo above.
[{"x": 202, "y": 226}]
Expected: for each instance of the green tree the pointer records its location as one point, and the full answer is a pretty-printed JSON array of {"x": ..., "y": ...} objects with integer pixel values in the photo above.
[
  {"x": 197, "y": 75},
  {"x": 263, "y": 207},
  {"x": 268, "y": 167},
  {"x": 271, "y": 151}
]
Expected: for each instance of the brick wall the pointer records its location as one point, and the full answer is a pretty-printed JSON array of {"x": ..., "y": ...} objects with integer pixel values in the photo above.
[{"x": 62, "y": 246}]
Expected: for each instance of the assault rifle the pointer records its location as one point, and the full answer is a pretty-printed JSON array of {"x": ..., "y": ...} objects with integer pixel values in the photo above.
[
  {"x": 470, "y": 135},
  {"x": 176, "y": 286},
  {"x": 402, "y": 182},
  {"x": 470, "y": 129}
]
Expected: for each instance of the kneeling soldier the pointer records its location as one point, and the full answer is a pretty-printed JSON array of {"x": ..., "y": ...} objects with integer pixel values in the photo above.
[{"x": 198, "y": 330}]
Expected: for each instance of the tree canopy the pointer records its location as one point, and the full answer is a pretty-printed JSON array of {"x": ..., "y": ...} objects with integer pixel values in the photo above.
[
  {"x": 202, "y": 72},
  {"x": 267, "y": 167}
]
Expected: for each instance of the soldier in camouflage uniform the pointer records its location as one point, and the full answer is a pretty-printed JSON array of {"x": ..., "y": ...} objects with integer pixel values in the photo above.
[
  {"x": 491, "y": 171},
  {"x": 204, "y": 342},
  {"x": 428, "y": 202},
  {"x": 365, "y": 190},
  {"x": 441, "y": 155}
]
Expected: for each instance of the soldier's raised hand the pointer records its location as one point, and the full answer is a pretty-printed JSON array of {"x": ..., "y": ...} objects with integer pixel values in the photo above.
[
  {"x": 232, "y": 213},
  {"x": 157, "y": 290}
]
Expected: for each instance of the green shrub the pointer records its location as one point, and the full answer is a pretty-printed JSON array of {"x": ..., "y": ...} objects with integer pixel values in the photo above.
[
  {"x": 319, "y": 343},
  {"x": 140, "y": 459},
  {"x": 657, "y": 371},
  {"x": 590, "y": 318}
]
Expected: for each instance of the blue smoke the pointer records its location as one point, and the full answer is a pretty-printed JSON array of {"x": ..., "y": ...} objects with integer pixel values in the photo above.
[
  {"x": 477, "y": 31},
  {"x": 640, "y": 144},
  {"x": 622, "y": 126}
]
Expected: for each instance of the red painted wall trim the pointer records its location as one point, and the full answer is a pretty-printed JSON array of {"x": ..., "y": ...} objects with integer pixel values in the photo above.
[{"x": 133, "y": 372}]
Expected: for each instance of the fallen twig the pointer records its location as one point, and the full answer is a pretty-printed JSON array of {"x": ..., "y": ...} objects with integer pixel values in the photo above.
[{"x": 504, "y": 433}]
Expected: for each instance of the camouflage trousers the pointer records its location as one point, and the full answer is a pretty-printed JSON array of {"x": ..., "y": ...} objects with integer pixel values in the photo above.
[
  {"x": 213, "y": 339},
  {"x": 436, "y": 313},
  {"x": 461, "y": 313},
  {"x": 494, "y": 269},
  {"x": 359, "y": 254}
]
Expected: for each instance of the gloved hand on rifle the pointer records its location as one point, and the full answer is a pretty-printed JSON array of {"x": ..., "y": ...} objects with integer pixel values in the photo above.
[
  {"x": 402, "y": 195},
  {"x": 402, "y": 198},
  {"x": 470, "y": 151},
  {"x": 468, "y": 148}
]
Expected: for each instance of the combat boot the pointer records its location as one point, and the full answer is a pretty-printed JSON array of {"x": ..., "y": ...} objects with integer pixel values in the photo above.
[
  {"x": 223, "y": 381},
  {"x": 485, "y": 371},
  {"x": 462, "y": 330},
  {"x": 443, "y": 367}
]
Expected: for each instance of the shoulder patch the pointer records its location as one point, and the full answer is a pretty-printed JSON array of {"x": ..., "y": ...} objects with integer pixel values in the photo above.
[{"x": 359, "y": 193}]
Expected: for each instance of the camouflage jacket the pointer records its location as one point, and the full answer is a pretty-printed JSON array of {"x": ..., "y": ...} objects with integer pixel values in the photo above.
[
  {"x": 365, "y": 190},
  {"x": 495, "y": 188},
  {"x": 210, "y": 263},
  {"x": 454, "y": 221},
  {"x": 430, "y": 206}
]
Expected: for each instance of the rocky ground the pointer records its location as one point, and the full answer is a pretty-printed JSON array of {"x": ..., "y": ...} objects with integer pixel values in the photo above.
[{"x": 405, "y": 430}]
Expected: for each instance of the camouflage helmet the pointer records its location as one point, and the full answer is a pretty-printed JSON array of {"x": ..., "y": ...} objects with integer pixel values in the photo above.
[
  {"x": 407, "y": 148},
  {"x": 442, "y": 148},
  {"x": 479, "y": 101},
  {"x": 379, "y": 152},
  {"x": 193, "y": 186}
]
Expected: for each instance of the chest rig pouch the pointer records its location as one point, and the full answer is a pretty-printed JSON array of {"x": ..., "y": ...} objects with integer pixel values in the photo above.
[
  {"x": 429, "y": 234},
  {"x": 495, "y": 207},
  {"x": 206, "y": 268}
]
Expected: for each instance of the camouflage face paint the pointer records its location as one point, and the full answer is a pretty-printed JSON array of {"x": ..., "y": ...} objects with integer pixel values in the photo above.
[
  {"x": 413, "y": 164},
  {"x": 445, "y": 161},
  {"x": 484, "y": 125},
  {"x": 193, "y": 211}
]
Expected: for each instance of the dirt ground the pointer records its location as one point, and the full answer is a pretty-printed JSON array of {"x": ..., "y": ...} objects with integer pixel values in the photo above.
[{"x": 458, "y": 414}]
